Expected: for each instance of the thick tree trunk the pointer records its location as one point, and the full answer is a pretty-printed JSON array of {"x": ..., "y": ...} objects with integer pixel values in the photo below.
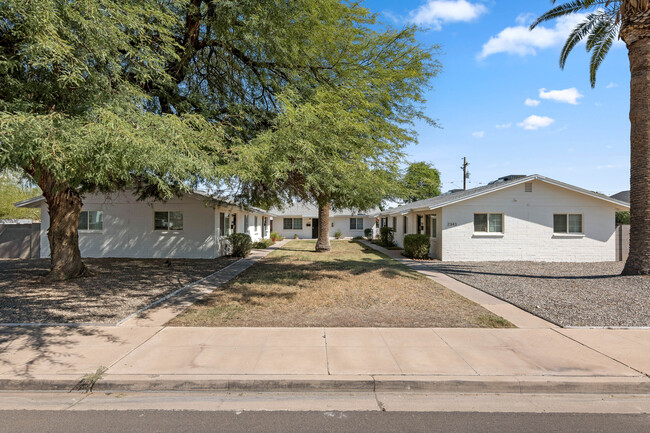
[
  {"x": 323, "y": 242},
  {"x": 64, "y": 207},
  {"x": 636, "y": 34}
]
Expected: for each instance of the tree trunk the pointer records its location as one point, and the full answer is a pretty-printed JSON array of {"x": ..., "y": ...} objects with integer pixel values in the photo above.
[
  {"x": 323, "y": 242},
  {"x": 64, "y": 207},
  {"x": 636, "y": 33}
]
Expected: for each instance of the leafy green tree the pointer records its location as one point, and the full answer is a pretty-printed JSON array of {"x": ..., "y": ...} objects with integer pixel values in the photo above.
[
  {"x": 607, "y": 20},
  {"x": 100, "y": 95},
  {"x": 341, "y": 145},
  {"x": 12, "y": 190},
  {"x": 421, "y": 180}
]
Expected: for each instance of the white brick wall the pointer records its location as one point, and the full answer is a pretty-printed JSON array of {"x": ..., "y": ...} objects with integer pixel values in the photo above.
[{"x": 528, "y": 227}]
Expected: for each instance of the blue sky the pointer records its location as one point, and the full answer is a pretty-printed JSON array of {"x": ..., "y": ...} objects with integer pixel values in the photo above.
[{"x": 491, "y": 66}]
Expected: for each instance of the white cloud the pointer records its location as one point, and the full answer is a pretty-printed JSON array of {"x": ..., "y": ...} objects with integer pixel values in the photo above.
[
  {"x": 504, "y": 125},
  {"x": 569, "y": 96},
  {"x": 521, "y": 41},
  {"x": 531, "y": 102},
  {"x": 525, "y": 18},
  {"x": 611, "y": 85},
  {"x": 436, "y": 12},
  {"x": 532, "y": 123},
  {"x": 478, "y": 134}
]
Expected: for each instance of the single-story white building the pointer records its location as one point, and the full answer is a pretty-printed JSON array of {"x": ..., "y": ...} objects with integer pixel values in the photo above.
[
  {"x": 191, "y": 226},
  {"x": 302, "y": 220},
  {"x": 531, "y": 218}
]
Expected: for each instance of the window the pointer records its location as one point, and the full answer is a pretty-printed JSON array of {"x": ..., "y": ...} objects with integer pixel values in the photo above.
[
  {"x": 168, "y": 220},
  {"x": 245, "y": 223},
  {"x": 224, "y": 224},
  {"x": 292, "y": 223},
  {"x": 255, "y": 226},
  {"x": 567, "y": 223},
  {"x": 488, "y": 223},
  {"x": 395, "y": 223},
  {"x": 434, "y": 227},
  {"x": 420, "y": 226},
  {"x": 233, "y": 223},
  {"x": 356, "y": 223},
  {"x": 91, "y": 220}
]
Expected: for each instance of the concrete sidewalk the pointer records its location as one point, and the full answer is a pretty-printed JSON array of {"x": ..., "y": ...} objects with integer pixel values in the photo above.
[{"x": 330, "y": 359}]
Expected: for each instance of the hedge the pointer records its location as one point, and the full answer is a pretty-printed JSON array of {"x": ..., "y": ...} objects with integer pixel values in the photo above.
[{"x": 416, "y": 246}]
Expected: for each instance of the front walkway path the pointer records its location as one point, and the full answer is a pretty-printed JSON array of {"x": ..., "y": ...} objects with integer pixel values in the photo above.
[{"x": 517, "y": 316}]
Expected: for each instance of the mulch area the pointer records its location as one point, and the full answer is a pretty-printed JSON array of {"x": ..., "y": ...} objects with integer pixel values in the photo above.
[
  {"x": 115, "y": 288},
  {"x": 568, "y": 294},
  {"x": 351, "y": 286}
]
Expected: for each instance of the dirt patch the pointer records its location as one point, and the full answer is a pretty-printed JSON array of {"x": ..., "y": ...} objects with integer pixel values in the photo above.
[
  {"x": 114, "y": 289},
  {"x": 351, "y": 286}
]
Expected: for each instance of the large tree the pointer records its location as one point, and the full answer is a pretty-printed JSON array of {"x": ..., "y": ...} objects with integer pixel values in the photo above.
[
  {"x": 99, "y": 95},
  {"x": 421, "y": 180},
  {"x": 340, "y": 145},
  {"x": 607, "y": 20}
]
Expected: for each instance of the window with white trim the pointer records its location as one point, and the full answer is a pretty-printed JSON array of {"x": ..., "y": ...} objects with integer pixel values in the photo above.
[
  {"x": 434, "y": 227},
  {"x": 292, "y": 223},
  {"x": 356, "y": 223},
  {"x": 567, "y": 223},
  {"x": 488, "y": 223},
  {"x": 91, "y": 220},
  {"x": 168, "y": 220}
]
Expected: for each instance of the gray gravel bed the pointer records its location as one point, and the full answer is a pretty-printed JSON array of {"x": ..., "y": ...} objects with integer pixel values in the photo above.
[{"x": 568, "y": 294}]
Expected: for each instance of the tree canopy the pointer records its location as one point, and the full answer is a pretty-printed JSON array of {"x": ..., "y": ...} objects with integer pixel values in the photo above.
[
  {"x": 13, "y": 190},
  {"x": 421, "y": 180}
]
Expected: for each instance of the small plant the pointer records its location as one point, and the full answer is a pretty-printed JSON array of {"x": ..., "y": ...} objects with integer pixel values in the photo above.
[
  {"x": 387, "y": 237},
  {"x": 368, "y": 234},
  {"x": 296, "y": 236},
  {"x": 338, "y": 234},
  {"x": 89, "y": 380},
  {"x": 416, "y": 246},
  {"x": 275, "y": 236},
  {"x": 241, "y": 244},
  {"x": 262, "y": 243}
]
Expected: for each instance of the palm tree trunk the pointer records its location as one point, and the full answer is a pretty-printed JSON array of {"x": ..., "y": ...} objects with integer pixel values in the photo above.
[
  {"x": 323, "y": 242},
  {"x": 636, "y": 34}
]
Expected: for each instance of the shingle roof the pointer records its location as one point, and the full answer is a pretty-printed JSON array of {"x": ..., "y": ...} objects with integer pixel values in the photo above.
[
  {"x": 308, "y": 210},
  {"x": 622, "y": 196},
  {"x": 454, "y": 197}
]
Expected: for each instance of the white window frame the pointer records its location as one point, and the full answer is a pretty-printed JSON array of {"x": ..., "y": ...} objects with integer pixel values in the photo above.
[
  {"x": 567, "y": 232},
  {"x": 163, "y": 230},
  {"x": 488, "y": 232},
  {"x": 433, "y": 234},
  {"x": 88, "y": 229},
  {"x": 356, "y": 224}
]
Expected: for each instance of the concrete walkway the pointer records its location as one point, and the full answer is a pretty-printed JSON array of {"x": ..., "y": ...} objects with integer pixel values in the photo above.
[{"x": 515, "y": 315}]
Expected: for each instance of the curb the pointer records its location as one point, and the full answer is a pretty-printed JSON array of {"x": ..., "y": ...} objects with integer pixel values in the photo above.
[{"x": 431, "y": 384}]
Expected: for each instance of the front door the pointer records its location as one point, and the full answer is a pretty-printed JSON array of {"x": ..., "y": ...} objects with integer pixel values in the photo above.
[{"x": 314, "y": 228}]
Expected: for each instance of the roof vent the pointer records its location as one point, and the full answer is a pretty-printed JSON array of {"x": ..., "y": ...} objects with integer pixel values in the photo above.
[{"x": 528, "y": 187}]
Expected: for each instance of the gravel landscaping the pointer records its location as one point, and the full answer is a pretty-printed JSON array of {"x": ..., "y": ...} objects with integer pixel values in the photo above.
[
  {"x": 114, "y": 289},
  {"x": 568, "y": 294}
]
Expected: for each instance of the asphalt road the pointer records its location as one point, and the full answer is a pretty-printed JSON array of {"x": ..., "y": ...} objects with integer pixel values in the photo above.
[{"x": 303, "y": 422}]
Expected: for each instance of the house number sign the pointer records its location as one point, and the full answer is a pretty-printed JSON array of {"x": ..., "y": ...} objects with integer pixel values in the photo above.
[{"x": 451, "y": 224}]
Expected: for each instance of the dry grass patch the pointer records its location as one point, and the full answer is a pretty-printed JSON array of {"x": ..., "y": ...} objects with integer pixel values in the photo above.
[
  {"x": 114, "y": 288},
  {"x": 352, "y": 285}
]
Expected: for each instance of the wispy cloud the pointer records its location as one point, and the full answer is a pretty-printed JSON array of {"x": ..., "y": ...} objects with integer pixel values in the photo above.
[
  {"x": 478, "y": 134},
  {"x": 611, "y": 85},
  {"x": 533, "y": 122},
  {"x": 504, "y": 125},
  {"x": 568, "y": 96},
  {"x": 435, "y": 13},
  {"x": 521, "y": 41},
  {"x": 531, "y": 102}
]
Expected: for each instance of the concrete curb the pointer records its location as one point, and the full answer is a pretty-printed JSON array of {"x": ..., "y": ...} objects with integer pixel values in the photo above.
[{"x": 361, "y": 383}]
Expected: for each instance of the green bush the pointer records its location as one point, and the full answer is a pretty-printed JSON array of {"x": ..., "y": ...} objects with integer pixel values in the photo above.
[
  {"x": 368, "y": 234},
  {"x": 387, "y": 237},
  {"x": 623, "y": 217},
  {"x": 262, "y": 243},
  {"x": 275, "y": 236},
  {"x": 416, "y": 246},
  {"x": 296, "y": 236},
  {"x": 241, "y": 244},
  {"x": 338, "y": 234}
]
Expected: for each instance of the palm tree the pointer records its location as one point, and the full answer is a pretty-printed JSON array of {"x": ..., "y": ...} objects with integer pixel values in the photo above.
[{"x": 629, "y": 20}]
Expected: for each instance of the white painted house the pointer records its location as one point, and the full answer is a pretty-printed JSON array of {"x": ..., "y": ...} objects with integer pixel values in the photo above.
[
  {"x": 191, "y": 226},
  {"x": 302, "y": 220},
  {"x": 530, "y": 218}
]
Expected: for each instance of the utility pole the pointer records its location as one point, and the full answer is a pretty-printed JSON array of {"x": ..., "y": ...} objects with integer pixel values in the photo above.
[{"x": 465, "y": 173}]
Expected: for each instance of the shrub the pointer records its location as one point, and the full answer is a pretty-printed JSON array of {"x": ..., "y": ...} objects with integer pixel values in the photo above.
[
  {"x": 241, "y": 244},
  {"x": 623, "y": 217},
  {"x": 368, "y": 234},
  {"x": 387, "y": 237},
  {"x": 338, "y": 234},
  {"x": 296, "y": 236},
  {"x": 275, "y": 236},
  {"x": 262, "y": 243},
  {"x": 416, "y": 246}
]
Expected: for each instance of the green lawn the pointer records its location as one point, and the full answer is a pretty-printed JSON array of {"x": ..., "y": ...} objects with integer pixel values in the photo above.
[{"x": 350, "y": 286}]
